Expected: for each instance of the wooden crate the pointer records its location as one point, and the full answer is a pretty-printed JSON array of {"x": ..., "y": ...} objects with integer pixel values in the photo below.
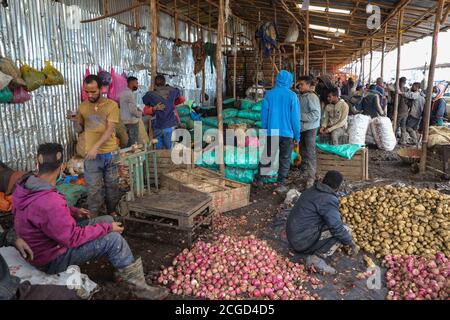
[
  {"x": 438, "y": 159},
  {"x": 356, "y": 169},
  {"x": 164, "y": 164},
  {"x": 175, "y": 210},
  {"x": 226, "y": 194}
]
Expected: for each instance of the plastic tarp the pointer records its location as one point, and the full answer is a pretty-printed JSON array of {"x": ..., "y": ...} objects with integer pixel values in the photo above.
[
  {"x": 72, "y": 192},
  {"x": 240, "y": 175},
  {"x": 346, "y": 151},
  {"x": 72, "y": 277},
  {"x": 247, "y": 114}
]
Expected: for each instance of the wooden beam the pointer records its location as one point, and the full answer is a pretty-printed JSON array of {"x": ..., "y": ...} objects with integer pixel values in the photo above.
[
  {"x": 371, "y": 59},
  {"x": 154, "y": 44},
  {"x": 427, "y": 111},
  {"x": 220, "y": 37},
  {"x": 445, "y": 15},
  {"x": 306, "y": 59},
  {"x": 399, "y": 46},
  {"x": 114, "y": 13},
  {"x": 382, "y": 53}
]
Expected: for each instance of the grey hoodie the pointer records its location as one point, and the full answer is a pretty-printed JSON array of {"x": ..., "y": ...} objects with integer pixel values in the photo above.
[{"x": 310, "y": 110}]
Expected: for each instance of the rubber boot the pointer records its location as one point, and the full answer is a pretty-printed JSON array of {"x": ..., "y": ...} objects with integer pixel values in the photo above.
[
  {"x": 133, "y": 275},
  {"x": 404, "y": 139},
  {"x": 319, "y": 264},
  {"x": 413, "y": 135}
]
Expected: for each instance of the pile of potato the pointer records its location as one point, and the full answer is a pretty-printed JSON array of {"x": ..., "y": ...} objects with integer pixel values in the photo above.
[{"x": 399, "y": 220}]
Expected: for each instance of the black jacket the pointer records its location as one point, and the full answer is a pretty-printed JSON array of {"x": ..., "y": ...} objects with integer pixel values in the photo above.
[{"x": 316, "y": 210}]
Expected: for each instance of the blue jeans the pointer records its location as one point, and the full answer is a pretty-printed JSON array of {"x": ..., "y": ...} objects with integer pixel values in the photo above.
[
  {"x": 112, "y": 245},
  {"x": 102, "y": 181},
  {"x": 164, "y": 137},
  {"x": 133, "y": 133}
]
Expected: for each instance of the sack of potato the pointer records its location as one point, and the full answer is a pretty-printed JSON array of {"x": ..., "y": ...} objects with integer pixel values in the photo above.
[{"x": 399, "y": 220}]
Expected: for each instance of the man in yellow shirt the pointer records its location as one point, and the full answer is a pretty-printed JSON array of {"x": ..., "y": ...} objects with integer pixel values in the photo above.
[{"x": 98, "y": 118}]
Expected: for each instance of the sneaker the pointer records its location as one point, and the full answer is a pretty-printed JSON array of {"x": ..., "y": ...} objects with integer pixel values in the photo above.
[{"x": 319, "y": 264}]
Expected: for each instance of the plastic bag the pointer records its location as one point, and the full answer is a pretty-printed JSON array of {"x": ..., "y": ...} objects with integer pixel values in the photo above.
[
  {"x": 346, "y": 151},
  {"x": 183, "y": 111},
  {"x": 230, "y": 113},
  {"x": 7, "y": 66},
  {"x": 252, "y": 115},
  {"x": 84, "y": 97},
  {"x": 210, "y": 121},
  {"x": 118, "y": 85},
  {"x": 5, "y": 79},
  {"x": 52, "y": 76},
  {"x": 292, "y": 34},
  {"x": 240, "y": 175},
  {"x": 357, "y": 129},
  {"x": 383, "y": 133},
  {"x": 34, "y": 79},
  {"x": 20, "y": 95},
  {"x": 6, "y": 95},
  {"x": 243, "y": 158}
]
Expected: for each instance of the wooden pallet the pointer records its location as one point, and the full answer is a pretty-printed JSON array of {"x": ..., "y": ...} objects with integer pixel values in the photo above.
[
  {"x": 438, "y": 159},
  {"x": 226, "y": 194},
  {"x": 356, "y": 169},
  {"x": 175, "y": 210}
]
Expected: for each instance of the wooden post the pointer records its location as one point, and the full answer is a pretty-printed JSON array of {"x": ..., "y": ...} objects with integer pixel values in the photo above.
[
  {"x": 306, "y": 59},
  {"x": 399, "y": 51},
  {"x": 105, "y": 7},
  {"x": 258, "y": 61},
  {"x": 188, "y": 23},
  {"x": 154, "y": 43},
  {"x": 137, "y": 15},
  {"x": 383, "y": 48},
  {"x": 361, "y": 68},
  {"x": 279, "y": 51},
  {"x": 235, "y": 58},
  {"x": 371, "y": 58},
  {"x": 324, "y": 66},
  {"x": 220, "y": 33},
  {"x": 427, "y": 111},
  {"x": 295, "y": 65}
]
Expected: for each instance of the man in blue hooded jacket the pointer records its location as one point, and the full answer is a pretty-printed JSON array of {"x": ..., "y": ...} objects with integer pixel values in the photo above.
[{"x": 280, "y": 116}]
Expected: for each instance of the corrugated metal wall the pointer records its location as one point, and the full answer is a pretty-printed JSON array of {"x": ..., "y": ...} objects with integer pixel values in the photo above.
[{"x": 36, "y": 30}]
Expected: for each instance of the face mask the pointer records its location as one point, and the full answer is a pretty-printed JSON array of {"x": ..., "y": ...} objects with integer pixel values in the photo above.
[
  {"x": 434, "y": 95},
  {"x": 60, "y": 177}
]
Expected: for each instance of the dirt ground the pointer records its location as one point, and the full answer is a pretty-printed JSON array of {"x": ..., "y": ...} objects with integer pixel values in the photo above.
[
  {"x": 257, "y": 219},
  {"x": 158, "y": 247}
]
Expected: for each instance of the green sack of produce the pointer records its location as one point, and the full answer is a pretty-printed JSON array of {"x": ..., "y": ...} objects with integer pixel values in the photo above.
[
  {"x": 52, "y": 76},
  {"x": 248, "y": 122},
  {"x": 258, "y": 124},
  {"x": 246, "y": 104},
  {"x": 208, "y": 160},
  {"x": 257, "y": 106},
  {"x": 210, "y": 121},
  {"x": 248, "y": 114},
  {"x": 229, "y": 121},
  {"x": 72, "y": 192},
  {"x": 269, "y": 179},
  {"x": 243, "y": 158},
  {"x": 6, "y": 96},
  {"x": 228, "y": 101},
  {"x": 183, "y": 111},
  {"x": 230, "y": 113},
  {"x": 34, "y": 79},
  {"x": 240, "y": 175}
]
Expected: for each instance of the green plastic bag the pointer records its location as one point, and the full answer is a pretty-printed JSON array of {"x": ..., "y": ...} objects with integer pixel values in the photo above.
[
  {"x": 52, "y": 76},
  {"x": 248, "y": 114},
  {"x": 208, "y": 160},
  {"x": 183, "y": 111},
  {"x": 6, "y": 96},
  {"x": 243, "y": 158},
  {"x": 246, "y": 104},
  {"x": 240, "y": 175},
  {"x": 228, "y": 101},
  {"x": 346, "y": 151},
  {"x": 248, "y": 122},
  {"x": 210, "y": 121},
  {"x": 230, "y": 113},
  {"x": 258, "y": 124},
  {"x": 72, "y": 192},
  {"x": 257, "y": 106},
  {"x": 34, "y": 79}
]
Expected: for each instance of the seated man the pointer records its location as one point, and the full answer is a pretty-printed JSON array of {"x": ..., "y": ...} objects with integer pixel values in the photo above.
[
  {"x": 10, "y": 286},
  {"x": 334, "y": 120},
  {"x": 314, "y": 226},
  {"x": 43, "y": 220}
]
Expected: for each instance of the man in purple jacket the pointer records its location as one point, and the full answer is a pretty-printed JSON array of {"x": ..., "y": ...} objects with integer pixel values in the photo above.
[{"x": 43, "y": 219}]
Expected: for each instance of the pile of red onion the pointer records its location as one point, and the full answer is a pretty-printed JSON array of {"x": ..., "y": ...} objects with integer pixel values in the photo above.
[
  {"x": 418, "y": 278},
  {"x": 236, "y": 268}
]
